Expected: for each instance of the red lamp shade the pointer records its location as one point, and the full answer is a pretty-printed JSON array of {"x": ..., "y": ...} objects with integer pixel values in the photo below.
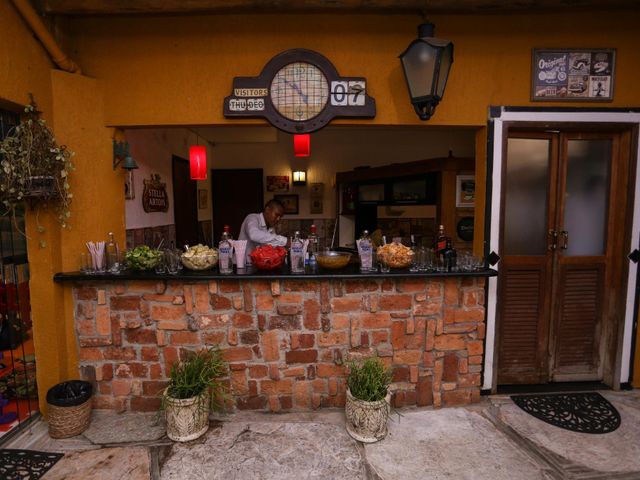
[
  {"x": 198, "y": 162},
  {"x": 302, "y": 145}
]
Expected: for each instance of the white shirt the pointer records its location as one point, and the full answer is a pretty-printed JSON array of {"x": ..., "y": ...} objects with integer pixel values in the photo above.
[{"x": 255, "y": 231}]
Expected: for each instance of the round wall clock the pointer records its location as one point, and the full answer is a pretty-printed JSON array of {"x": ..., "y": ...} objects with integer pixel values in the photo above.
[{"x": 299, "y": 91}]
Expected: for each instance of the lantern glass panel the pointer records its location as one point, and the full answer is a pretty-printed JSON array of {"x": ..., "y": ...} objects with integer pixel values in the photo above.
[
  {"x": 445, "y": 66},
  {"x": 419, "y": 64}
]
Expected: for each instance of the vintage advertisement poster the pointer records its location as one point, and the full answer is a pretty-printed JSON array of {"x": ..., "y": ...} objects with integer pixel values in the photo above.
[{"x": 581, "y": 75}]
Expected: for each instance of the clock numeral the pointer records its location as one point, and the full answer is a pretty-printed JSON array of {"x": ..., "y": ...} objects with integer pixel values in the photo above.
[
  {"x": 357, "y": 91},
  {"x": 339, "y": 93},
  {"x": 352, "y": 93}
]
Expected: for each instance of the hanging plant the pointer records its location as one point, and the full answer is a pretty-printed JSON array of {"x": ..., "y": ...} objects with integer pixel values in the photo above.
[{"x": 34, "y": 168}]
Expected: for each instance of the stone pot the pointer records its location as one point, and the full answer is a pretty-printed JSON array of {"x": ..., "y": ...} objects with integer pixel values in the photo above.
[
  {"x": 188, "y": 418},
  {"x": 367, "y": 421}
]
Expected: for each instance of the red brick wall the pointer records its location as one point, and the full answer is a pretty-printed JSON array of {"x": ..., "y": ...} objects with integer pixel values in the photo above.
[{"x": 286, "y": 341}]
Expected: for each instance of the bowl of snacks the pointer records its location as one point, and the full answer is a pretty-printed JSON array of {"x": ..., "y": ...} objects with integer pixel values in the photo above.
[
  {"x": 142, "y": 258},
  {"x": 268, "y": 257},
  {"x": 396, "y": 255},
  {"x": 200, "y": 257},
  {"x": 333, "y": 260}
]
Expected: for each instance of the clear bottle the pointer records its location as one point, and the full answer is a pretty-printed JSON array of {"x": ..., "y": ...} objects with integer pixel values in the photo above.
[
  {"x": 415, "y": 263},
  {"x": 449, "y": 257},
  {"x": 312, "y": 248},
  {"x": 297, "y": 254},
  {"x": 225, "y": 252},
  {"x": 365, "y": 249},
  {"x": 112, "y": 255}
]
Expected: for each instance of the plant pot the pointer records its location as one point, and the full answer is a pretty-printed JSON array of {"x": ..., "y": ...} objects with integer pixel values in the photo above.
[
  {"x": 367, "y": 421},
  {"x": 188, "y": 418}
]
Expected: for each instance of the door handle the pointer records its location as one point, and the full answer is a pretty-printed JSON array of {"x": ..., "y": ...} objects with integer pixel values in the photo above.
[
  {"x": 565, "y": 239},
  {"x": 553, "y": 237}
]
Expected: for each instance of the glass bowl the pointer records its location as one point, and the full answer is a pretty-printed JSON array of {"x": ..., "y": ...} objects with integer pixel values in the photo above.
[{"x": 333, "y": 260}]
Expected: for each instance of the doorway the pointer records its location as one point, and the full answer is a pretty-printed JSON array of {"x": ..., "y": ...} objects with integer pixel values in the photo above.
[
  {"x": 235, "y": 193},
  {"x": 185, "y": 206},
  {"x": 562, "y": 238}
]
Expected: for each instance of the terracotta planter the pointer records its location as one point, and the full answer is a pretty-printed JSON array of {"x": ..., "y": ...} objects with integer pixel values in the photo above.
[
  {"x": 187, "y": 419},
  {"x": 367, "y": 421}
]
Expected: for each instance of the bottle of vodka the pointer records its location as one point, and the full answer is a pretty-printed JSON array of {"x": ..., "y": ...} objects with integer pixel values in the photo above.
[
  {"x": 365, "y": 250},
  {"x": 297, "y": 254},
  {"x": 225, "y": 252}
]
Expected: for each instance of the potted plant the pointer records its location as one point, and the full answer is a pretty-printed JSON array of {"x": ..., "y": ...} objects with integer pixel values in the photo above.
[
  {"x": 194, "y": 389},
  {"x": 34, "y": 168},
  {"x": 368, "y": 400}
]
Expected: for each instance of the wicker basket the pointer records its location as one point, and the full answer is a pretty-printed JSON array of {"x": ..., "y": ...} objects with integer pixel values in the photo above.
[{"x": 67, "y": 422}]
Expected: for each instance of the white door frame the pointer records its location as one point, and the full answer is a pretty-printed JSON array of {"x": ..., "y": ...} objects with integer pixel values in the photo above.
[{"x": 500, "y": 115}]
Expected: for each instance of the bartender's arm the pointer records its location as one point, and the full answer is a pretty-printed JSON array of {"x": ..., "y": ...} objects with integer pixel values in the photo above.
[{"x": 261, "y": 236}]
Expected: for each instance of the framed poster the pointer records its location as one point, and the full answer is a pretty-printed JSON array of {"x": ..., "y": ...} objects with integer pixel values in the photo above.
[
  {"x": 290, "y": 203},
  {"x": 584, "y": 75},
  {"x": 465, "y": 190},
  {"x": 278, "y": 183},
  {"x": 316, "y": 205}
]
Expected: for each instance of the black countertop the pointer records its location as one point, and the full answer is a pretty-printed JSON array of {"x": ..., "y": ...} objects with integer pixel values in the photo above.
[{"x": 349, "y": 272}]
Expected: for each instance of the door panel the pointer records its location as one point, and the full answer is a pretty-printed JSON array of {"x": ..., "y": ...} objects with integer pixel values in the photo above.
[
  {"x": 235, "y": 193},
  {"x": 556, "y": 239},
  {"x": 185, "y": 203}
]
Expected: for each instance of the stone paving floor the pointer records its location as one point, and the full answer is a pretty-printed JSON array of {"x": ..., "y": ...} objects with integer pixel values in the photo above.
[{"x": 493, "y": 440}]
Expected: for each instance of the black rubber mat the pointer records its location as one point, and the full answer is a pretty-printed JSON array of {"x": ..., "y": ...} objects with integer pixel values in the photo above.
[
  {"x": 586, "y": 412},
  {"x": 26, "y": 464}
]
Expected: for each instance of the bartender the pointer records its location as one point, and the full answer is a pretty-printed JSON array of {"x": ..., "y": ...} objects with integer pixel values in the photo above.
[{"x": 258, "y": 228}]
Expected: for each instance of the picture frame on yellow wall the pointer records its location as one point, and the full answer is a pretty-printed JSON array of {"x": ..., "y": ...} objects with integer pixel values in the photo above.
[{"x": 465, "y": 191}]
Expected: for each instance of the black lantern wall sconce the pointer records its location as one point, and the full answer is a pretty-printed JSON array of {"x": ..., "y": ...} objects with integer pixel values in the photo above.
[{"x": 426, "y": 63}]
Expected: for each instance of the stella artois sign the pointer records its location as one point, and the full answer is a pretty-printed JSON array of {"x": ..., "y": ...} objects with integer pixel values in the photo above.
[{"x": 154, "y": 197}]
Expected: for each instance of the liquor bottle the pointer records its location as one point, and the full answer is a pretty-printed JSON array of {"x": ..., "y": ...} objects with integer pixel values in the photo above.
[
  {"x": 449, "y": 257},
  {"x": 312, "y": 248},
  {"x": 225, "y": 252},
  {"x": 415, "y": 263},
  {"x": 441, "y": 241},
  {"x": 112, "y": 255},
  {"x": 365, "y": 249},
  {"x": 297, "y": 254}
]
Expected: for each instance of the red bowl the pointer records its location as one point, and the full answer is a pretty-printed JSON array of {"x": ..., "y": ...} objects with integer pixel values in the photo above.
[{"x": 268, "y": 257}]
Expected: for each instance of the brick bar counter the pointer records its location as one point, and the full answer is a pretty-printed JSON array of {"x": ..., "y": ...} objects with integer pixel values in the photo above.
[{"x": 286, "y": 337}]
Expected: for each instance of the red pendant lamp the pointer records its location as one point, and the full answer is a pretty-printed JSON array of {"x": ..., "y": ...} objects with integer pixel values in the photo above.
[
  {"x": 302, "y": 145},
  {"x": 198, "y": 162}
]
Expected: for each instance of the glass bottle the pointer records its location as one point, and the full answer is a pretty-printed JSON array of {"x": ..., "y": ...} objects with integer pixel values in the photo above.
[
  {"x": 112, "y": 253},
  {"x": 365, "y": 249},
  {"x": 441, "y": 241},
  {"x": 449, "y": 257},
  {"x": 297, "y": 254},
  {"x": 312, "y": 248},
  {"x": 415, "y": 264},
  {"x": 225, "y": 252}
]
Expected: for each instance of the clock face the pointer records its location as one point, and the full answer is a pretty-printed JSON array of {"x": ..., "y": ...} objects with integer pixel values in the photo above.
[{"x": 299, "y": 91}]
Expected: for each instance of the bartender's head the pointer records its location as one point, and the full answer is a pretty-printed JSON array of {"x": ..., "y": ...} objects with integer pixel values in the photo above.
[{"x": 273, "y": 212}]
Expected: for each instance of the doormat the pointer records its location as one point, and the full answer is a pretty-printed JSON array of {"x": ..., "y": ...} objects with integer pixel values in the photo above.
[
  {"x": 26, "y": 464},
  {"x": 586, "y": 412}
]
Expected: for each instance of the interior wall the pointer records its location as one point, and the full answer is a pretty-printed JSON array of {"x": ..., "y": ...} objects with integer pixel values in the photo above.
[{"x": 332, "y": 149}]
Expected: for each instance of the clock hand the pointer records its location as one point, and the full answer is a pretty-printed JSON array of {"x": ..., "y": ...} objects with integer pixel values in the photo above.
[{"x": 297, "y": 88}]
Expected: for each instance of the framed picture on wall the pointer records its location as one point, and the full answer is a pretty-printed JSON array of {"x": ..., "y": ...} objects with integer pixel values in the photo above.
[
  {"x": 202, "y": 199},
  {"x": 290, "y": 203},
  {"x": 465, "y": 190},
  {"x": 315, "y": 205},
  {"x": 278, "y": 183}
]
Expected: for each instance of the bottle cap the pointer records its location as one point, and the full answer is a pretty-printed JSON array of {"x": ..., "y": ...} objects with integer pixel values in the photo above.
[
  {"x": 313, "y": 229},
  {"x": 226, "y": 228}
]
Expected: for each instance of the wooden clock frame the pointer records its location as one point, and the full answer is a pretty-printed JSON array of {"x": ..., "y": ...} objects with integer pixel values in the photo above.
[{"x": 251, "y": 96}]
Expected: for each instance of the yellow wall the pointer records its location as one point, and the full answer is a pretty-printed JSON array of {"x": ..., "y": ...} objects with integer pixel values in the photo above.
[{"x": 177, "y": 71}]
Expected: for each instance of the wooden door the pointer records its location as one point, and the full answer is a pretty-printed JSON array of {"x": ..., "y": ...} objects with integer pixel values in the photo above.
[
  {"x": 185, "y": 203},
  {"x": 235, "y": 194},
  {"x": 557, "y": 249}
]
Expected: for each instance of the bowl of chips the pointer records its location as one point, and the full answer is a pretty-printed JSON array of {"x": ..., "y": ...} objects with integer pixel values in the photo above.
[{"x": 396, "y": 255}]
